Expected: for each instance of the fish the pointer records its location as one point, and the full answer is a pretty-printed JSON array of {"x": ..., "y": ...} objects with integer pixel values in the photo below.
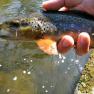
[{"x": 47, "y": 28}]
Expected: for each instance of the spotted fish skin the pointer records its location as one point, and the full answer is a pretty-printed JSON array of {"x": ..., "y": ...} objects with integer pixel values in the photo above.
[{"x": 50, "y": 23}]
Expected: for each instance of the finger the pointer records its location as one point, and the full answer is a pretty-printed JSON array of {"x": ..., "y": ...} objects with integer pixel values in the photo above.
[
  {"x": 63, "y": 9},
  {"x": 53, "y": 4},
  {"x": 65, "y": 44},
  {"x": 83, "y": 43}
]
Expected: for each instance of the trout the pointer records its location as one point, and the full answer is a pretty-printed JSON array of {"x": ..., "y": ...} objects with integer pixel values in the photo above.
[{"x": 47, "y": 27}]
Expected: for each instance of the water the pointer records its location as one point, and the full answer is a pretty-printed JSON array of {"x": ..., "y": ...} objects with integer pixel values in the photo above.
[{"x": 25, "y": 69}]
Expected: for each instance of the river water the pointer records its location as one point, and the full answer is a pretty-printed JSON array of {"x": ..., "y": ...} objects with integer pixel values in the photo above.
[{"x": 25, "y": 69}]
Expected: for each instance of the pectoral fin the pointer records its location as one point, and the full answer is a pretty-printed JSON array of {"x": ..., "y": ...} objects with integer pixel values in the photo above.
[{"x": 48, "y": 46}]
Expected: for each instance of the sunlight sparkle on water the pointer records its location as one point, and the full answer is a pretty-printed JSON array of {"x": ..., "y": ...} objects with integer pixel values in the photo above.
[
  {"x": 76, "y": 61},
  {"x": 58, "y": 62},
  {"x": 28, "y": 72},
  {"x": 60, "y": 56},
  {"x": 51, "y": 86},
  {"x": 62, "y": 61},
  {"x": 31, "y": 60},
  {"x": 80, "y": 68},
  {"x": 24, "y": 71},
  {"x": 8, "y": 90},
  {"x": 46, "y": 91},
  {"x": 15, "y": 78},
  {"x": 64, "y": 57},
  {"x": 24, "y": 59},
  {"x": 0, "y": 65},
  {"x": 68, "y": 68},
  {"x": 43, "y": 86},
  {"x": 66, "y": 72},
  {"x": 72, "y": 60}
]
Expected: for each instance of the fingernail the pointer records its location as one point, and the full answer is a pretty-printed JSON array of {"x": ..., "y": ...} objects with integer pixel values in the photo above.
[
  {"x": 63, "y": 9},
  {"x": 65, "y": 43},
  {"x": 83, "y": 43}
]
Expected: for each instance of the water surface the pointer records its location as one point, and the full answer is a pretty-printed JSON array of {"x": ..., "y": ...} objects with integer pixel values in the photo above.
[{"x": 25, "y": 69}]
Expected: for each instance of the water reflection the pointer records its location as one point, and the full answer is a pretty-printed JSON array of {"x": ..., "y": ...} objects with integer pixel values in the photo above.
[
  {"x": 25, "y": 69},
  {"x": 10, "y": 9}
]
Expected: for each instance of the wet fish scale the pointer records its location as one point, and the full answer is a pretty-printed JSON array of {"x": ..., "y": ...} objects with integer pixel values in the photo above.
[
  {"x": 52, "y": 23},
  {"x": 35, "y": 25}
]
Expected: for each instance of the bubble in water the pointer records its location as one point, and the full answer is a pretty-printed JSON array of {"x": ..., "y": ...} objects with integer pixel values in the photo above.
[
  {"x": 43, "y": 86},
  {"x": 24, "y": 59},
  {"x": 0, "y": 65},
  {"x": 80, "y": 68},
  {"x": 24, "y": 71},
  {"x": 29, "y": 72},
  {"x": 64, "y": 57},
  {"x": 72, "y": 60},
  {"x": 60, "y": 56},
  {"x": 77, "y": 61},
  {"x": 46, "y": 91},
  {"x": 8, "y": 90},
  {"x": 15, "y": 78},
  {"x": 51, "y": 86},
  {"x": 62, "y": 61},
  {"x": 66, "y": 72},
  {"x": 31, "y": 60},
  {"x": 68, "y": 68},
  {"x": 58, "y": 62}
]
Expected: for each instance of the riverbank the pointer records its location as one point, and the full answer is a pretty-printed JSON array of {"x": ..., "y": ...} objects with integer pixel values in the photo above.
[{"x": 86, "y": 83}]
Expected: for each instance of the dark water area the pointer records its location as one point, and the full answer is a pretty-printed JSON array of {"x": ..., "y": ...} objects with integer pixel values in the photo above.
[{"x": 25, "y": 69}]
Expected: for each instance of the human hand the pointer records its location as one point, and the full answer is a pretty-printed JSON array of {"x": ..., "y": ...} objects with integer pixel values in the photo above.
[
  {"x": 67, "y": 41},
  {"x": 81, "y": 47},
  {"x": 63, "y": 5}
]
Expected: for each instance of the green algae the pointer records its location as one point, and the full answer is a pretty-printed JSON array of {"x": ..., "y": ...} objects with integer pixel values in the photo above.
[{"x": 86, "y": 83}]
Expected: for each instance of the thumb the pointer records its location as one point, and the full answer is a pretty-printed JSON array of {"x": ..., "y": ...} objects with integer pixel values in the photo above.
[
  {"x": 53, "y": 4},
  {"x": 57, "y": 4},
  {"x": 72, "y": 3}
]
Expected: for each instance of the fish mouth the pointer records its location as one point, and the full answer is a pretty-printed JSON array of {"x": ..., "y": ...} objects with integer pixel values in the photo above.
[{"x": 5, "y": 34}]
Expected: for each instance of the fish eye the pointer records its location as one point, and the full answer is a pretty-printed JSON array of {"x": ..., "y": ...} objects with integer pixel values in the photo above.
[{"x": 14, "y": 24}]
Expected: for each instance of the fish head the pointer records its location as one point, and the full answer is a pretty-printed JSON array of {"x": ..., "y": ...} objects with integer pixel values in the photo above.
[
  {"x": 34, "y": 28},
  {"x": 8, "y": 29},
  {"x": 29, "y": 28},
  {"x": 19, "y": 28}
]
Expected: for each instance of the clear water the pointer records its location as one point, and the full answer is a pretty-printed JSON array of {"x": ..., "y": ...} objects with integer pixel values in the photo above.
[{"x": 25, "y": 69}]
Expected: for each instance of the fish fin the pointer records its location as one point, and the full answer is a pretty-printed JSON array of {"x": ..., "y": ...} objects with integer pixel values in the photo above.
[{"x": 48, "y": 46}]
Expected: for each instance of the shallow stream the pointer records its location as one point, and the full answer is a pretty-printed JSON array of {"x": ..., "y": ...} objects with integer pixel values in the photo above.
[{"x": 25, "y": 69}]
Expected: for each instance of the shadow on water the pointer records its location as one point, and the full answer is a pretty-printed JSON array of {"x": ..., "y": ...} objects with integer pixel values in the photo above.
[{"x": 24, "y": 69}]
